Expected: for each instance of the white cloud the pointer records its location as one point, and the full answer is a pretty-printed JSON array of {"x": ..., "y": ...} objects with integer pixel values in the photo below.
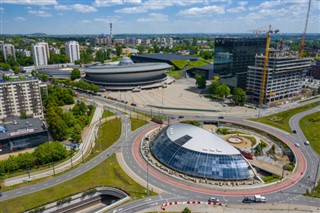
[
  {"x": 31, "y": 2},
  {"x": 203, "y": 11},
  {"x": 242, "y": 3},
  {"x": 107, "y": 3},
  {"x": 236, "y": 9},
  {"x": 131, "y": 10},
  {"x": 39, "y": 13},
  {"x": 268, "y": 4},
  {"x": 85, "y": 21},
  {"x": 19, "y": 18},
  {"x": 82, "y": 8},
  {"x": 109, "y": 19},
  {"x": 154, "y": 17}
]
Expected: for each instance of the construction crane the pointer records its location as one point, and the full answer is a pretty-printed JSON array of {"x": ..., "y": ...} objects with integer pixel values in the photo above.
[
  {"x": 304, "y": 32},
  {"x": 265, "y": 65}
]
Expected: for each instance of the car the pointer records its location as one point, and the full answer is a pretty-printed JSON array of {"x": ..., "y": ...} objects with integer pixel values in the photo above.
[
  {"x": 294, "y": 131},
  {"x": 246, "y": 200},
  {"x": 213, "y": 199},
  {"x": 181, "y": 116},
  {"x": 297, "y": 144},
  {"x": 307, "y": 143},
  {"x": 220, "y": 117}
]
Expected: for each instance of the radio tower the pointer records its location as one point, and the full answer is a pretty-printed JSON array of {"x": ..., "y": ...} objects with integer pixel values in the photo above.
[{"x": 110, "y": 30}]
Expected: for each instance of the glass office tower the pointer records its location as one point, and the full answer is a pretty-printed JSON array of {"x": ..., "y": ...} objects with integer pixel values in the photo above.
[{"x": 232, "y": 56}]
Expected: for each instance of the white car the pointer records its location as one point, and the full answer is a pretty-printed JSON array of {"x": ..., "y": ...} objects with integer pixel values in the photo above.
[
  {"x": 297, "y": 145},
  {"x": 213, "y": 199},
  {"x": 307, "y": 143}
]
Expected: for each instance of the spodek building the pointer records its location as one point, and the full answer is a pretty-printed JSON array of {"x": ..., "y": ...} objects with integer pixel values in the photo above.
[
  {"x": 126, "y": 73},
  {"x": 196, "y": 152}
]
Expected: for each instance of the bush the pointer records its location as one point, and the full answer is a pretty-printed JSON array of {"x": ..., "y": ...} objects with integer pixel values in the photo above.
[
  {"x": 194, "y": 123},
  {"x": 37, "y": 210},
  {"x": 88, "y": 192},
  {"x": 288, "y": 167},
  {"x": 63, "y": 200},
  {"x": 223, "y": 131}
]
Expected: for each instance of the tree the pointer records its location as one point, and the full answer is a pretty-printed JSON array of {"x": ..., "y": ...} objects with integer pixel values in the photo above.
[
  {"x": 75, "y": 74},
  {"x": 141, "y": 49},
  {"x": 50, "y": 152},
  {"x": 186, "y": 210},
  {"x": 239, "y": 96},
  {"x": 100, "y": 56},
  {"x": 318, "y": 90},
  {"x": 156, "y": 48},
  {"x": 213, "y": 87},
  {"x": 223, "y": 91},
  {"x": 200, "y": 81},
  {"x": 23, "y": 114},
  {"x": 119, "y": 50}
]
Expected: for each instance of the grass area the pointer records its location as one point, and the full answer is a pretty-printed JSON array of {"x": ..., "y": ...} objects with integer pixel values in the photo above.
[
  {"x": 281, "y": 119},
  {"x": 179, "y": 63},
  {"x": 251, "y": 139},
  {"x": 178, "y": 74},
  {"x": 108, "y": 133},
  {"x": 91, "y": 115},
  {"x": 137, "y": 123},
  {"x": 310, "y": 126},
  {"x": 194, "y": 123},
  {"x": 271, "y": 179},
  {"x": 108, "y": 173},
  {"x": 107, "y": 113},
  {"x": 316, "y": 192},
  {"x": 197, "y": 63},
  {"x": 213, "y": 97}
]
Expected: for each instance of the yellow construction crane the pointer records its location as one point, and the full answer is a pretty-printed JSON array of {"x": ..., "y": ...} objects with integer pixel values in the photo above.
[
  {"x": 265, "y": 65},
  {"x": 304, "y": 32}
]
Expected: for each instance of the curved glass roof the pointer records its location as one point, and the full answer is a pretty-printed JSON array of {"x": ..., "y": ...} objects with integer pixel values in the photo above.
[
  {"x": 182, "y": 148},
  {"x": 125, "y": 61}
]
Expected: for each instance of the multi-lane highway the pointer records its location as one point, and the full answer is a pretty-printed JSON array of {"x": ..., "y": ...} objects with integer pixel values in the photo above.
[{"x": 292, "y": 193}]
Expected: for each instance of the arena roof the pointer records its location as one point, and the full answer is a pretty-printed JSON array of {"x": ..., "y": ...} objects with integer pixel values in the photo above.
[
  {"x": 167, "y": 57},
  {"x": 199, "y": 140}
]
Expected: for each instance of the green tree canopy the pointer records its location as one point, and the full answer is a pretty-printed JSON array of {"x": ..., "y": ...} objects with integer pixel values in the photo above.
[
  {"x": 100, "y": 56},
  {"x": 75, "y": 74},
  {"x": 50, "y": 152},
  {"x": 239, "y": 96},
  {"x": 223, "y": 91},
  {"x": 119, "y": 50},
  {"x": 200, "y": 81},
  {"x": 213, "y": 87}
]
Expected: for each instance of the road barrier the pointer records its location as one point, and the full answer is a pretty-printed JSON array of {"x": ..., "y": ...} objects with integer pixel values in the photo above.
[{"x": 194, "y": 202}]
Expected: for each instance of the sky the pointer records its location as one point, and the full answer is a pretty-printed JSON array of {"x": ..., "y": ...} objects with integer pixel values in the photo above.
[{"x": 156, "y": 16}]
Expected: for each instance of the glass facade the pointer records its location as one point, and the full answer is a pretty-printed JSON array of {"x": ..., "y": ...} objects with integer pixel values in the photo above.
[
  {"x": 198, "y": 164},
  {"x": 232, "y": 56}
]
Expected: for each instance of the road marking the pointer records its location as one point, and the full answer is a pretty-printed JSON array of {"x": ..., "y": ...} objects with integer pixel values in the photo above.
[{"x": 19, "y": 192}]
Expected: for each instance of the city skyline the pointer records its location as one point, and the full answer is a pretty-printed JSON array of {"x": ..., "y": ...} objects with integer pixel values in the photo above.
[{"x": 155, "y": 16}]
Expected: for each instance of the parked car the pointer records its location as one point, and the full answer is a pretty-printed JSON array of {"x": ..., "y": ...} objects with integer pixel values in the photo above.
[
  {"x": 213, "y": 199},
  {"x": 297, "y": 144},
  {"x": 247, "y": 200},
  {"x": 181, "y": 116}
]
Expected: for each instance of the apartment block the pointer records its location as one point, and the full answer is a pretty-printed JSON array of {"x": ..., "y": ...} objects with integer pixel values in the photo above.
[
  {"x": 19, "y": 96},
  {"x": 72, "y": 50},
  {"x": 284, "y": 77},
  {"x": 39, "y": 54},
  {"x": 8, "y": 49}
]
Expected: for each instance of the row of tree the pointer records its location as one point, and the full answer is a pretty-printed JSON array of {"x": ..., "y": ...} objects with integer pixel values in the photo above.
[
  {"x": 78, "y": 84},
  {"x": 46, "y": 153}
]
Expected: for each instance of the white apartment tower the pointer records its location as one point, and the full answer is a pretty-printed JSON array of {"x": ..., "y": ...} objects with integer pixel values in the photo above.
[
  {"x": 8, "y": 49},
  {"x": 73, "y": 50},
  {"x": 19, "y": 96},
  {"x": 46, "y": 46},
  {"x": 39, "y": 54}
]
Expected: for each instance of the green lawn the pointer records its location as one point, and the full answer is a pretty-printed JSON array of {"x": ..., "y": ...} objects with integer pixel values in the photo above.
[
  {"x": 108, "y": 133},
  {"x": 251, "y": 139},
  {"x": 180, "y": 63},
  {"x": 197, "y": 63},
  {"x": 271, "y": 179},
  {"x": 108, "y": 173},
  {"x": 281, "y": 120},
  {"x": 310, "y": 126},
  {"x": 136, "y": 123},
  {"x": 107, "y": 113},
  {"x": 178, "y": 74}
]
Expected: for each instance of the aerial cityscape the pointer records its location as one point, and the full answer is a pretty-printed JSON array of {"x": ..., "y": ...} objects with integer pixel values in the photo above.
[{"x": 144, "y": 106}]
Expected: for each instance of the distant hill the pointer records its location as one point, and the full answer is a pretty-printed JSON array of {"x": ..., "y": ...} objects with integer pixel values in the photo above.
[{"x": 38, "y": 34}]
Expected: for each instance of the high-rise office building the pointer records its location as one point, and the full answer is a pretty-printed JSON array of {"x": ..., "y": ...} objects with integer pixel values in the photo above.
[
  {"x": 284, "y": 77},
  {"x": 232, "y": 56},
  {"x": 46, "y": 46},
  {"x": 19, "y": 96},
  {"x": 39, "y": 54},
  {"x": 8, "y": 49},
  {"x": 72, "y": 50}
]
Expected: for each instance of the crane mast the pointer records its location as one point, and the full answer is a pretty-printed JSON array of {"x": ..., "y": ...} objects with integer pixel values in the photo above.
[{"x": 304, "y": 32}]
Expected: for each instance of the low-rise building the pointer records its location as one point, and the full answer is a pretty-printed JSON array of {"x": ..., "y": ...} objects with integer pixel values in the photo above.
[{"x": 21, "y": 134}]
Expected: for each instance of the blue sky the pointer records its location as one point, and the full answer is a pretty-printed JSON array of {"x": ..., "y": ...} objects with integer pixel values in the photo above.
[{"x": 156, "y": 16}]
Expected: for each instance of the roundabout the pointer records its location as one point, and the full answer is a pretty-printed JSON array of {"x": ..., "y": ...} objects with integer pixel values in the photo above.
[{"x": 223, "y": 191}]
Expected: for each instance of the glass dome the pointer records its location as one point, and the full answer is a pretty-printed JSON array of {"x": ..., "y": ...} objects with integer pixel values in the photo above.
[
  {"x": 125, "y": 61},
  {"x": 203, "y": 161}
]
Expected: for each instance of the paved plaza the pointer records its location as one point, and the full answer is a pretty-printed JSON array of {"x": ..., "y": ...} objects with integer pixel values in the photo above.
[{"x": 180, "y": 94}]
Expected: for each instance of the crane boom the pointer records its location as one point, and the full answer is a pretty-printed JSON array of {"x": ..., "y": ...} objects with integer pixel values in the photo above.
[
  {"x": 265, "y": 67},
  {"x": 304, "y": 32}
]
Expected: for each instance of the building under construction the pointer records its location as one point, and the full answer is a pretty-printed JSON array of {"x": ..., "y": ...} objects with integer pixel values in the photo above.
[
  {"x": 284, "y": 76},
  {"x": 19, "y": 97}
]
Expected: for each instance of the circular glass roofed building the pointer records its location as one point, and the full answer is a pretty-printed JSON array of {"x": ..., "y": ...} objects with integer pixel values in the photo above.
[{"x": 199, "y": 153}]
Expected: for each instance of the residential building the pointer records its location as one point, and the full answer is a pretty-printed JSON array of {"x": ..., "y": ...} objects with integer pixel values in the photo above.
[
  {"x": 24, "y": 52},
  {"x": 169, "y": 41},
  {"x": 46, "y": 46},
  {"x": 101, "y": 41},
  {"x": 17, "y": 97},
  {"x": 284, "y": 77},
  {"x": 73, "y": 50},
  {"x": 8, "y": 49},
  {"x": 314, "y": 71},
  {"x": 21, "y": 134},
  {"x": 55, "y": 50},
  {"x": 232, "y": 56},
  {"x": 119, "y": 41},
  {"x": 39, "y": 54}
]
